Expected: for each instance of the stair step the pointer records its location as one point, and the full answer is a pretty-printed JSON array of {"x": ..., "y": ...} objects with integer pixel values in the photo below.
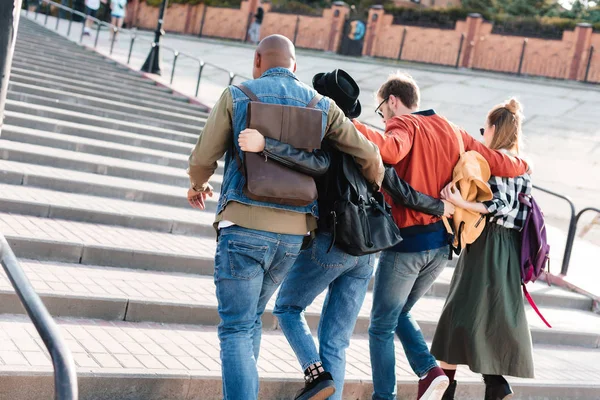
[
  {"x": 136, "y": 147},
  {"x": 89, "y": 81},
  {"x": 131, "y": 295},
  {"x": 146, "y": 101},
  {"x": 94, "y": 244},
  {"x": 105, "y": 113},
  {"x": 65, "y": 159},
  {"x": 16, "y": 199},
  {"x": 23, "y": 113},
  {"x": 63, "y": 180},
  {"x": 168, "y": 114},
  {"x": 130, "y": 361}
]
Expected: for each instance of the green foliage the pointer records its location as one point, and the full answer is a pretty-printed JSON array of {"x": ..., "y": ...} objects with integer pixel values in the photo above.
[
  {"x": 212, "y": 3},
  {"x": 298, "y": 7}
]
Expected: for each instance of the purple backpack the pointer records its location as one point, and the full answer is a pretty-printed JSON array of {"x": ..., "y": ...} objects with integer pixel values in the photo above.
[{"x": 535, "y": 251}]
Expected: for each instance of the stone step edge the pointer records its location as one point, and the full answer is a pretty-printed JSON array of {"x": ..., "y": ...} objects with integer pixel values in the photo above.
[
  {"x": 101, "y": 384},
  {"x": 80, "y": 253},
  {"x": 104, "y": 190},
  {"x": 171, "y": 312},
  {"x": 80, "y": 214}
]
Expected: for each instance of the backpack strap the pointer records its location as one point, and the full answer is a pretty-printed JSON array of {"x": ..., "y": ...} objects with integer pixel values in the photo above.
[
  {"x": 315, "y": 100},
  {"x": 247, "y": 92},
  {"x": 461, "y": 144},
  {"x": 312, "y": 104},
  {"x": 534, "y": 306}
]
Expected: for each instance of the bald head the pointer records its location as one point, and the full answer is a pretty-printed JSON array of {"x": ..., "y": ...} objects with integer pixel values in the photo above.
[{"x": 274, "y": 51}]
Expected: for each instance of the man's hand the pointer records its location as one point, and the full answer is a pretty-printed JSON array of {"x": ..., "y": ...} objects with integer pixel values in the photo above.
[
  {"x": 197, "y": 199},
  {"x": 448, "y": 209},
  {"x": 252, "y": 141}
]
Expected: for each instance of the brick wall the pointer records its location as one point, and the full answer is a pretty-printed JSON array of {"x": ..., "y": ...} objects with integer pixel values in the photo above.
[{"x": 560, "y": 59}]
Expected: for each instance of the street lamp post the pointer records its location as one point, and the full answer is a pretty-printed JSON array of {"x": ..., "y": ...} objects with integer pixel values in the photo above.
[
  {"x": 9, "y": 21},
  {"x": 152, "y": 63}
]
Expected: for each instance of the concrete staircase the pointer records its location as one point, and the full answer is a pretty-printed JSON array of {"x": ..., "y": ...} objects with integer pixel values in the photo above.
[{"x": 92, "y": 200}]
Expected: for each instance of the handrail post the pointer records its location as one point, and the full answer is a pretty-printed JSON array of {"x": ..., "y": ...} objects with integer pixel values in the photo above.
[
  {"x": 130, "y": 49},
  {"x": 402, "y": 44},
  {"x": 114, "y": 37},
  {"x": 296, "y": 29},
  {"x": 70, "y": 23},
  {"x": 199, "y": 77},
  {"x": 83, "y": 21},
  {"x": 175, "y": 55},
  {"x": 522, "y": 56},
  {"x": 202, "y": 22},
  {"x": 97, "y": 35},
  {"x": 460, "y": 47},
  {"x": 589, "y": 64},
  {"x": 570, "y": 233},
  {"x": 47, "y": 12},
  {"x": 57, "y": 20}
]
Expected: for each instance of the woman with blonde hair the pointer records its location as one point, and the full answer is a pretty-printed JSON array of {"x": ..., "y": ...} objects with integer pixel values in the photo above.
[{"x": 483, "y": 323}]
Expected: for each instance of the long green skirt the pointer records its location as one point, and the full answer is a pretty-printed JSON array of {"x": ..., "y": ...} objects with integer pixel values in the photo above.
[{"x": 483, "y": 324}]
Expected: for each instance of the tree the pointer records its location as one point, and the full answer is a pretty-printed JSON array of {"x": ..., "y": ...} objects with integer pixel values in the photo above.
[{"x": 481, "y": 6}]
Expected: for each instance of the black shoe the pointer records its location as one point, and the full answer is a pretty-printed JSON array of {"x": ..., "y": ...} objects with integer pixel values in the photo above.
[
  {"x": 497, "y": 388},
  {"x": 449, "y": 393},
  {"x": 319, "y": 389}
]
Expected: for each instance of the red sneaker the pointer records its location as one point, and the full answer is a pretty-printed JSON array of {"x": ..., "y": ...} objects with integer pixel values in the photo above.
[{"x": 433, "y": 386}]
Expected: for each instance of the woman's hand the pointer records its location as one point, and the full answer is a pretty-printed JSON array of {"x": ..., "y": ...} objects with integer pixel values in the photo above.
[
  {"x": 451, "y": 194},
  {"x": 251, "y": 140}
]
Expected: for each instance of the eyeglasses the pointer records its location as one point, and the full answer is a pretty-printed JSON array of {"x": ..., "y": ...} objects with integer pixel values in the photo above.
[
  {"x": 482, "y": 130},
  {"x": 378, "y": 111}
]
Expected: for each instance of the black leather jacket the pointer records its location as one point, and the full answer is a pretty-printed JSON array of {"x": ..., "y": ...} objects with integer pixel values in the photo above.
[{"x": 316, "y": 164}]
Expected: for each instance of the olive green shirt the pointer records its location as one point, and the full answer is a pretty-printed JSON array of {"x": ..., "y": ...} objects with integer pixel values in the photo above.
[{"x": 215, "y": 140}]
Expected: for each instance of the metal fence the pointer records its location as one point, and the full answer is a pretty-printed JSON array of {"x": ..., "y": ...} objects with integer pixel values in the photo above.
[{"x": 173, "y": 59}]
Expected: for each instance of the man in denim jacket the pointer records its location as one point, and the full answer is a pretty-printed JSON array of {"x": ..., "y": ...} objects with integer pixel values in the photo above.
[{"x": 258, "y": 242}]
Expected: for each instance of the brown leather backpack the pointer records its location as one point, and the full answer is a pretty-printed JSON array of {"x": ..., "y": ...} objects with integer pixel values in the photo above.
[{"x": 267, "y": 180}]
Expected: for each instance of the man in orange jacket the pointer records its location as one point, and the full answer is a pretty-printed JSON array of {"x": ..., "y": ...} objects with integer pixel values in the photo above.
[{"x": 423, "y": 147}]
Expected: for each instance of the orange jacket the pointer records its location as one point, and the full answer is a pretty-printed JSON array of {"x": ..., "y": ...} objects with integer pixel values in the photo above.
[{"x": 423, "y": 148}]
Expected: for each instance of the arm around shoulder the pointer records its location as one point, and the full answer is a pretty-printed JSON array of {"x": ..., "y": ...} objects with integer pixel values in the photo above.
[
  {"x": 500, "y": 164},
  {"x": 345, "y": 137}
]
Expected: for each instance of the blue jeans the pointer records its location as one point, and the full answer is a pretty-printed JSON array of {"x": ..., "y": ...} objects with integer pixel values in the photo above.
[
  {"x": 249, "y": 266},
  {"x": 347, "y": 278},
  {"x": 400, "y": 281}
]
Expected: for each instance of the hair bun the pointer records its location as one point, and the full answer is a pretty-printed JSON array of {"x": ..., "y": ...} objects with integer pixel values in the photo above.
[{"x": 513, "y": 106}]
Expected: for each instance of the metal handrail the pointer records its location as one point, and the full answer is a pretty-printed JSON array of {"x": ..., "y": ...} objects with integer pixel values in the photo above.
[
  {"x": 65, "y": 378},
  {"x": 133, "y": 37}
]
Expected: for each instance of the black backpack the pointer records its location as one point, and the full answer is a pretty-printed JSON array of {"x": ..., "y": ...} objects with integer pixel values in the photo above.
[{"x": 359, "y": 218}]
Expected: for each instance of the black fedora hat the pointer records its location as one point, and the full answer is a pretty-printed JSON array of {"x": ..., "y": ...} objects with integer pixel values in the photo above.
[{"x": 341, "y": 88}]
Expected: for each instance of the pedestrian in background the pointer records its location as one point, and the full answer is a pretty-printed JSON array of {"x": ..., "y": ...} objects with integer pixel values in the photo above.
[{"x": 254, "y": 31}]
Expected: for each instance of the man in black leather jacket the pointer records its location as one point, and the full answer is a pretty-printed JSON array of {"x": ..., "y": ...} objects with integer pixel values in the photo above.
[{"x": 318, "y": 268}]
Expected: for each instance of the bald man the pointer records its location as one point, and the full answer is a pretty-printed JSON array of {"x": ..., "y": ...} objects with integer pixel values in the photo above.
[{"x": 258, "y": 242}]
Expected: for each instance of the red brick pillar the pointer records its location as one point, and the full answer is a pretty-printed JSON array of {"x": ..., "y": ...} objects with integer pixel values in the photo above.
[
  {"x": 583, "y": 38},
  {"x": 374, "y": 20},
  {"x": 340, "y": 11},
  {"x": 474, "y": 22},
  {"x": 131, "y": 15}
]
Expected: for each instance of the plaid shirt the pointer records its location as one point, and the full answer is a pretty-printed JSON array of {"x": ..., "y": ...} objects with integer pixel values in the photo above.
[{"x": 505, "y": 208}]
